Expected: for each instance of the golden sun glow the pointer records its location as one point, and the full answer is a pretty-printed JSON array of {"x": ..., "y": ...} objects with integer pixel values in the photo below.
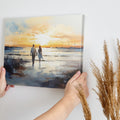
[
  {"x": 54, "y": 31},
  {"x": 42, "y": 39}
]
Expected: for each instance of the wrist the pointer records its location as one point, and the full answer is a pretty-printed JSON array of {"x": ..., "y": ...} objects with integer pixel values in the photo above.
[
  {"x": 70, "y": 101},
  {"x": 67, "y": 105}
]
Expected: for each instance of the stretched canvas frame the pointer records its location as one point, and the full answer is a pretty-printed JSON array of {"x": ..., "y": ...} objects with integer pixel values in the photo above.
[{"x": 43, "y": 51}]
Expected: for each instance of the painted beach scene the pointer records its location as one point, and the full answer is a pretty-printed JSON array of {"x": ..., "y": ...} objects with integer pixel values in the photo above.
[{"x": 43, "y": 51}]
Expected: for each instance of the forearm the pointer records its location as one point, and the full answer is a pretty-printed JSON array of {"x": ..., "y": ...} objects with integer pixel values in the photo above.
[{"x": 60, "y": 111}]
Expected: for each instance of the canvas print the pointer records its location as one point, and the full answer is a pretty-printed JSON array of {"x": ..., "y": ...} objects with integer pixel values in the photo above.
[{"x": 43, "y": 51}]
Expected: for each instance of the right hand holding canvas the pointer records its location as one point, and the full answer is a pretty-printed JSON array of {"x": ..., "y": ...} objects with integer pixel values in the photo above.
[
  {"x": 71, "y": 93},
  {"x": 3, "y": 85},
  {"x": 64, "y": 107}
]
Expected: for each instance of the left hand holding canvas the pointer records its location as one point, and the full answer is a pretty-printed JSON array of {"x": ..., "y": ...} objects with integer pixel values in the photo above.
[{"x": 3, "y": 85}]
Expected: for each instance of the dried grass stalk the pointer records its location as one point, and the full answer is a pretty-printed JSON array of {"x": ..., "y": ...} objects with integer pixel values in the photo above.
[
  {"x": 86, "y": 110},
  {"x": 108, "y": 89}
]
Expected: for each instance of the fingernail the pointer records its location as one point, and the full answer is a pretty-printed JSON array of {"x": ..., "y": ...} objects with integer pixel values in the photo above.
[
  {"x": 3, "y": 69},
  {"x": 78, "y": 72}
]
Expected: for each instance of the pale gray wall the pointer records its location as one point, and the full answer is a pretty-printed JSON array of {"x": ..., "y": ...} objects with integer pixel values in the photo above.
[{"x": 102, "y": 22}]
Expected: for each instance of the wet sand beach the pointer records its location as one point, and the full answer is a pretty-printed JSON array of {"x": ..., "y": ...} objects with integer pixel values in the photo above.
[{"x": 54, "y": 70}]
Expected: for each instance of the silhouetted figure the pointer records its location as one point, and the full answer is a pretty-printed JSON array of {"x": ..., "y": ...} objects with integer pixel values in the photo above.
[
  {"x": 33, "y": 53},
  {"x": 40, "y": 53}
]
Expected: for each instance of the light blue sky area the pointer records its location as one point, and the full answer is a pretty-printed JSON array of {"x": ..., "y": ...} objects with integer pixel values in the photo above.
[
  {"x": 14, "y": 25},
  {"x": 21, "y": 25}
]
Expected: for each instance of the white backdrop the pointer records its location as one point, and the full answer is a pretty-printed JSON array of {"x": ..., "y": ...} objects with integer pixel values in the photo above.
[{"x": 102, "y": 22}]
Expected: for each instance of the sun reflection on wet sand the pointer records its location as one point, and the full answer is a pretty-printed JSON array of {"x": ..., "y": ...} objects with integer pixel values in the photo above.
[{"x": 55, "y": 65}]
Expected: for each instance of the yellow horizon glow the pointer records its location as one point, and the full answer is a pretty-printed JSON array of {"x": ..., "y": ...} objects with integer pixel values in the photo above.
[
  {"x": 55, "y": 31},
  {"x": 45, "y": 41}
]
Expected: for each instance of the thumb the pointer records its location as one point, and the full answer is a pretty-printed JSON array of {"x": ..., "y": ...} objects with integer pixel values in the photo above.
[
  {"x": 75, "y": 76},
  {"x": 2, "y": 82},
  {"x": 3, "y": 72}
]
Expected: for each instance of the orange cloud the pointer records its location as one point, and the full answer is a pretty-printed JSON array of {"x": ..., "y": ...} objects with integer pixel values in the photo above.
[
  {"x": 41, "y": 28},
  {"x": 20, "y": 39}
]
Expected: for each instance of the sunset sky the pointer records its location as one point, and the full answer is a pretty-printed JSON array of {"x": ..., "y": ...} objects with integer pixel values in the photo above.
[{"x": 50, "y": 31}]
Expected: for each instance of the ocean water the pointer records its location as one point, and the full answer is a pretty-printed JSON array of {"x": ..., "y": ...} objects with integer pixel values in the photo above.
[{"x": 54, "y": 70}]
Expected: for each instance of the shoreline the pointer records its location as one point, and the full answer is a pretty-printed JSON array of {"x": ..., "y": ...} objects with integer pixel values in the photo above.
[{"x": 53, "y": 71}]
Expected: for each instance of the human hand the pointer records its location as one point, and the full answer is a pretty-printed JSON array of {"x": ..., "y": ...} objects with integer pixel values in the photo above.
[
  {"x": 71, "y": 90},
  {"x": 3, "y": 85},
  {"x": 64, "y": 107}
]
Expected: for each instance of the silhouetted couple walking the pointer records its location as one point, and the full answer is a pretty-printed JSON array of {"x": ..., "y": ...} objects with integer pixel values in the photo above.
[{"x": 33, "y": 53}]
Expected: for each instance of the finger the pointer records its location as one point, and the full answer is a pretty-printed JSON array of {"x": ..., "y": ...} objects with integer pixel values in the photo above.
[
  {"x": 75, "y": 76},
  {"x": 3, "y": 72},
  {"x": 2, "y": 77},
  {"x": 82, "y": 77},
  {"x": 7, "y": 88}
]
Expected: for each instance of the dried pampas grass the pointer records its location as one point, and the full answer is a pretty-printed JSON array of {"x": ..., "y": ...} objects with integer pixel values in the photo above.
[
  {"x": 108, "y": 84},
  {"x": 86, "y": 110}
]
